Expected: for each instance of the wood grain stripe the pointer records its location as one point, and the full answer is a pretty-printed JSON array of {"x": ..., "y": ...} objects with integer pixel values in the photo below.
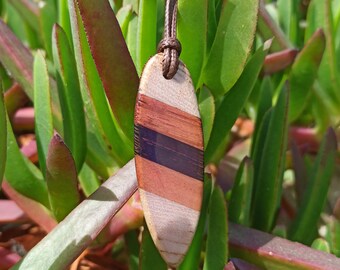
[
  {"x": 169, "y": 152},
  {"x": 169, "y": 121},
  {"x": 172, "y": 226},
  {"x": 168, "y": 183}
]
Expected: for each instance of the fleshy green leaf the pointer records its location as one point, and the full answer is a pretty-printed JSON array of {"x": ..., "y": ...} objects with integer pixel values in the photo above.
[
  {"x": 207, "y": 110},
  {"x": 123, "y": 17},
  {"x": 93, "y": 92},
  {"x": 241, "y": 196},
  {"x": 321, "y": 111},
  {"x": 131, "y": 38},
  {"x": 304, "y": 72},
  {"x": 315, "y": 17},
  {"x": 289, "y": 17},
  {"x": 276, "y": 253},
  {"x": 29, "y": 11},
  {"x": 258, "y": 146},
  {"x": 193, "y": 256},
  {"x": 300, "y": 173},
  {"x": 315, "y": 196},
  {"x": 70, "y": 96},
  {"x": 270, "y": 171},
  {"x": 268, "y": 28},
  {"x": 99, "y": 150},
  {"x": 320, "y": 15},
  {"x": 18, "y": 60},
  {"x": 64, "y": 18},
  {"x": 3, "y": 135},
  {"x": 97, "y": 158},
  {"x": 264, "y": 103},
  {"x": 48, "y": 17},
  {"x": 233, "y": 103},
  {"x": 217, "y": 241},
  {"x": 149, "y": 257},
  {"x": 5, "y": 78},
  {"x": 111, "y": 56},
  {"x": 133, "y": 247},
  {"x": 321, "y": 244},
  {"x": 160, "y": 19},
  {"x": 212, "y": 24},
  {"x": 88, "y": 180},
  {"x": 16, "y": 22},
  {"x": 133, "y": 3},
  {"x": 42, "y": 109},
  {"x": 61, "y": 179},
  {"x": 334, "y": 235},
  {"x": 18, "y": 168},
  {"x": 232, "y": 45},
  {"x": 146, "y": 32},
  {"x": 192, "y": 19},
  {"x": 71, "y": 237},
  {"x": 32, "y": 37}
]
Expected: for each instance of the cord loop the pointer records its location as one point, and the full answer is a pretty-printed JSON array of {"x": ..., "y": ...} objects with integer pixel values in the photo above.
[{"x": 169, "y": 45}]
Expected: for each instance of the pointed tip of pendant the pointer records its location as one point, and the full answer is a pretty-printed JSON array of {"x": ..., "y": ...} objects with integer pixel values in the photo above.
[{"x": 173, "y": 260}]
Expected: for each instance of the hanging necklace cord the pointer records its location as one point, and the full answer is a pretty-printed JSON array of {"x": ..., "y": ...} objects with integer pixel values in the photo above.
[{"x": 169, "y": 45}]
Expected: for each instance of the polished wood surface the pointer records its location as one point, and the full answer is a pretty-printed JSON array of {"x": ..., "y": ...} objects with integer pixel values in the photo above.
[
  {"x": 169, "y": 158},
  {"x": 169, "y": 120}
]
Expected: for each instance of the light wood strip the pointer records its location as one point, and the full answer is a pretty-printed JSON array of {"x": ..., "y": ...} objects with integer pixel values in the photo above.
[
  {"x": 177, "y": 92},
  {"x": 172, "y": 226},
  {"x": 169, "y": 184},
  {"x": 169, "y": 121}
]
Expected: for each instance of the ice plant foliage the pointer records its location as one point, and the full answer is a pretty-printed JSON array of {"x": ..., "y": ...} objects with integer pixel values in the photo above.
[{"x": 266, "y": 76}]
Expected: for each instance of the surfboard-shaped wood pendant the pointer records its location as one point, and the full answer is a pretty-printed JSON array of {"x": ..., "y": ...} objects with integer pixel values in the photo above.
[{"x": 169, "y": 158}]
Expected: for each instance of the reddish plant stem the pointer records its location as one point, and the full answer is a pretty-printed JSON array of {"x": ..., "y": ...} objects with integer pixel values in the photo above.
[
  {"x": 10, "y": 212},
  {"x": 307, "y": 139},
  {"x": 8, "y": 258},
  {"x": 15, "y": 98},
  {"x": 30, "y": 151},
  {"x": 279, "y": 61},
  {"x": 34, "y": 210},
  {"x": 23, "y": 120},
  {"x": 287, "y": 207}
]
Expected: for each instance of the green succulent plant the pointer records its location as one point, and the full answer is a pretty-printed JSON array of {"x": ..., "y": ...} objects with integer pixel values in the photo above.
[{"x": 78, "y": 63}]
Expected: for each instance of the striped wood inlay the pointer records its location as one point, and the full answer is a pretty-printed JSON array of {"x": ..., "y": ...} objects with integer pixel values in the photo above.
[
  {"x": 168, "y": 183},
  {"x": 169, "y": 158},
  {"x": 155, "y": 115}
]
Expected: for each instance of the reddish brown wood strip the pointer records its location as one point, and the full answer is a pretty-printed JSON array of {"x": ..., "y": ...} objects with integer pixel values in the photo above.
[
  {"x": 168, "y": 120},
  {"x": 169, "y": 184}
]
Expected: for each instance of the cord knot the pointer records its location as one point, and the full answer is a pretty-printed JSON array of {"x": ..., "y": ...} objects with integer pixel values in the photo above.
[{"x": 170, "y": 43}]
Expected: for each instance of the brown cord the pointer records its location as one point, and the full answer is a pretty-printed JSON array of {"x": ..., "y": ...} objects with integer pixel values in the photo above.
[{"x": 169, "y": 45}]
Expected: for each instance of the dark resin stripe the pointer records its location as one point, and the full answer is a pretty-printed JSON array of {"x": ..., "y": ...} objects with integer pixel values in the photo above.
[{"x": 169, "y": 152}]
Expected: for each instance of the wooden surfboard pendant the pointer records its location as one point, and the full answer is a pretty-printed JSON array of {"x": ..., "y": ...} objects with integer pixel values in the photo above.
[{"x": 169, "y": 158}]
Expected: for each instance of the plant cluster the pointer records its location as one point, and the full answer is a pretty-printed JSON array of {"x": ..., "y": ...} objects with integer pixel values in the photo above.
[{"x": 267, "y": 76}]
